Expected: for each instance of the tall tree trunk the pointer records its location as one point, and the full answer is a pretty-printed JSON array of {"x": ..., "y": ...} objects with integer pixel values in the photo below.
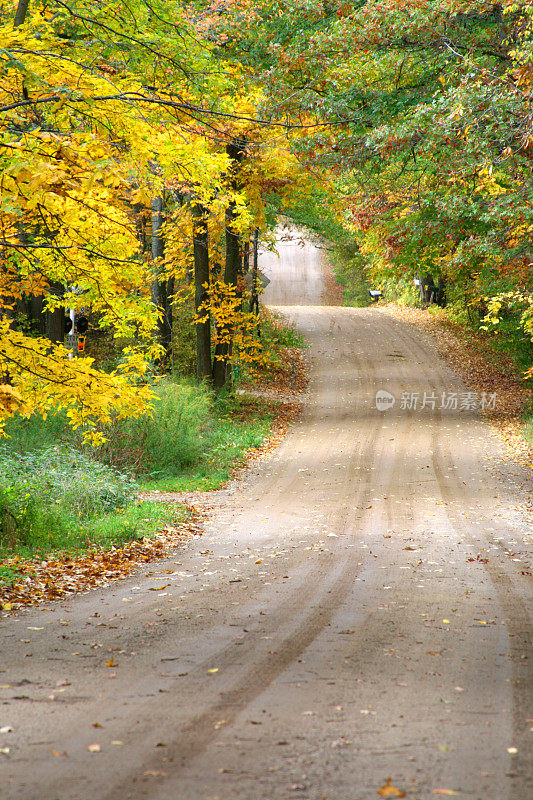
[
  {"x": 233, "y": 266},
  {"x": 201, "y": 279},
  {"x": 22, "y": 10},
  {"x": 55, "y": 320},
  {"x": 254, "y": 300},
  {"x": 162, "y": 289}
]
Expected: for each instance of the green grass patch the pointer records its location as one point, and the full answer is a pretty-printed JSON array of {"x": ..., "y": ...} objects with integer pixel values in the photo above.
[
  {"x": 59, "y": 499},
  {"x": 275, "y": 335},
  {"x": 9, "y": 576},
  {"x": 59, "y": 495},
  {"x": 236, "y": 425},
  {"x": 65, "y": 497}
]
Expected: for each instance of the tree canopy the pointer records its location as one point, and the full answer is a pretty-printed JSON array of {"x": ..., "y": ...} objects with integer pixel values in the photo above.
[{"x": 410, "y": 120}]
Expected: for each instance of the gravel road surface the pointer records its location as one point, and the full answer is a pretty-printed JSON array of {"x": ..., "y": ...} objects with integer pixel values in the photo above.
[{"x": 357, "y": 608}]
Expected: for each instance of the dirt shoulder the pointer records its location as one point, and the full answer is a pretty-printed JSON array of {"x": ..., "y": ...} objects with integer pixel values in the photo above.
[{"x": 471, "y": 356}]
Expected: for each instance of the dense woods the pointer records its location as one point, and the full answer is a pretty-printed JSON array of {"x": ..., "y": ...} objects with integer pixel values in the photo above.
[{"x": 147, "y": 145}]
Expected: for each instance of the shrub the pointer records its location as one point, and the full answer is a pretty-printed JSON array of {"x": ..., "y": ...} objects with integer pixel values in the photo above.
[
  {"x": 167, "y": 442},
  {"x": 45, "y": 494}
]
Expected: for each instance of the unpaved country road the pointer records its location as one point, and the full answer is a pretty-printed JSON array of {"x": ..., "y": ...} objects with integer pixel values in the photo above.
[{"x": 356, "y": 609}]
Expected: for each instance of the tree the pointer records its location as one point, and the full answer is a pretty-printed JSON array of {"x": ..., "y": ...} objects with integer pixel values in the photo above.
[{"x": 201, "y": 294}]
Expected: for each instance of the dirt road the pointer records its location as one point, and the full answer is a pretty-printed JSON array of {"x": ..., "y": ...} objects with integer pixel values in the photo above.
[{"x": 356, "y": 610}]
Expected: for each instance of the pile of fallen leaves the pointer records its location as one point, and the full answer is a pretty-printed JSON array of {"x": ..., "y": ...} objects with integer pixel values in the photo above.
[
  {"x": 470, "y": 354},
  {"x": 65, "y": 575}
]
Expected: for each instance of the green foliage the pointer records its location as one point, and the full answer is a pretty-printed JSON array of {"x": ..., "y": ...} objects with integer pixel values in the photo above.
[
  {"x": 275, "y": 334},
  {"x": 170, "y": 440},
  {"x": 235, "y": 425},
  {"x": 59, "y": 498},
  {"x": 64, "y": 476},
  {"x": 183, "y": 338},
  {"x": 28, "y": 434},
  {"x": 426, "y": 163},
  {"x": 192, "y": 441},
  {"x": 399, "y": 290},
  {"x": 350, "y": 272}
]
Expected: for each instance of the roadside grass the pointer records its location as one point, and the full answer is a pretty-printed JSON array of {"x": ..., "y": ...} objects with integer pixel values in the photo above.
[
  {"x": 65, "y": 498},
  {"x": 276, "y": 334},
  {"x": 8, "y": 576},
  {"x": 58, "y": 495},
  {"x": 236, "y": 425},
  {"x": 60, "y": 500}
]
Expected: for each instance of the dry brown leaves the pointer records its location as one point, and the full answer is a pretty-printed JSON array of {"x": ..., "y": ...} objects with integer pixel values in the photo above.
[
  {"x": 66, "y": 575},
  {"x": 469, "y": 353}
]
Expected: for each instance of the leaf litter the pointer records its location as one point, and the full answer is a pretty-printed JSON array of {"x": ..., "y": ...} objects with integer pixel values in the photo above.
[{"x": 66, "y": 574}]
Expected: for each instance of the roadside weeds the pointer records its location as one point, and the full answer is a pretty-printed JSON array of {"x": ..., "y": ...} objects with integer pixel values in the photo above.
[{"x": 65, "y": 574}]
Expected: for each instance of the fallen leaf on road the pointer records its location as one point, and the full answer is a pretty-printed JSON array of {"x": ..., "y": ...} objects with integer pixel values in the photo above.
[
  {"x": 33, "y": 628},
  {"x": 512, "y": 750},
  {"x": 390, "y": 791},
  {"x": 57, "y": 754},
  {"x": 111, "y": 663},
  {"x": 117, "y": 742},
  {"x": 6, "y": 729},
  {"x": 448, "y": 792},
  {"x": 158, "y": 588},
  {"x": 155, "y": 773},
  {"x": 212, "y": 671},
  {"x": 94, "y": 748},
  {"x": 4, "y": 751}
]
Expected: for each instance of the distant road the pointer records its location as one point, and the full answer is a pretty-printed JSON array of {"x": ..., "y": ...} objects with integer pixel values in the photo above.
[{"x": 357, "y": 609}]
